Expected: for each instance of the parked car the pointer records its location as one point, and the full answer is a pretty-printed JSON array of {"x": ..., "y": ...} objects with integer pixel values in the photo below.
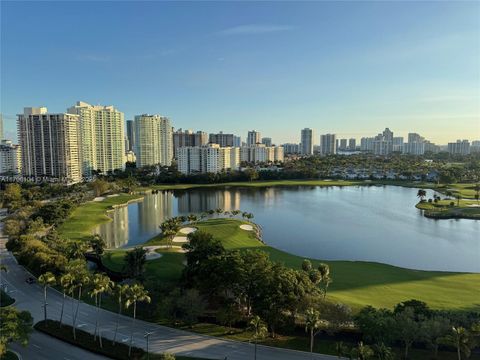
[{"x": 30, "y": 280}]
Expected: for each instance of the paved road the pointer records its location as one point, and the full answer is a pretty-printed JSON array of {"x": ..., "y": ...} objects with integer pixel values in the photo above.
[{"x": 164, "y": 339}]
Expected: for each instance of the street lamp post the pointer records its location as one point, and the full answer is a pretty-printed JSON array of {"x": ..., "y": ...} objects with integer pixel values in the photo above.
[{"x": 147, "y": 336}]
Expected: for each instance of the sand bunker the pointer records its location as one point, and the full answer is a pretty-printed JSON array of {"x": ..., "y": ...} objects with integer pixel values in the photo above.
[
  {"x": 187, "y": 230},
  {"x": 246, "y": 227},
  {"x": 180, "y": 239}
]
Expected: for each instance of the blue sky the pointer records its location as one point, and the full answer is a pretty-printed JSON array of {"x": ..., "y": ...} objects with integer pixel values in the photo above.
[{"x": 351, "y": 68}]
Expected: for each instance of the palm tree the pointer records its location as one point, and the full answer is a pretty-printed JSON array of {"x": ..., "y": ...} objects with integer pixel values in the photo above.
[
  {"x": 458, "y": 197},
  {"x": 218, "y": 211},
  {"x": 341, "y": 349},
  {"x": 66, "y": 282},
  {"x": 192, "y": 218},
  {"x": 312, "y": 323},
  {"x": 421, "y": 194},
  {"x": 362, "y": 352},
  {"x": 460, "y": 339},
  {"x": 259, "y": 331},
  {"x": 120, "y": 291},
  {"x": 47, "y": 279},
  {"x": 101, "y": 284},
  {"x": 136, "y": 293},
  {"x": 81, "y": 279}
]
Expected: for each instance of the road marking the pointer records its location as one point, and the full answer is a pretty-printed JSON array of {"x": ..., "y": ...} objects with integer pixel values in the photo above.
[
  {"x": 38, "y": 347},
  {"x": 81, "y": 325}
]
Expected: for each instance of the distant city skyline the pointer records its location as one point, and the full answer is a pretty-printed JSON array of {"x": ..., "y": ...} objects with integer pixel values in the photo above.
[{"x": 349, "y": 69}]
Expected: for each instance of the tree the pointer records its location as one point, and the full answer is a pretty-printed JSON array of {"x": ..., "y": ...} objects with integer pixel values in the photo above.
[
  {"x": 120, "y": 293},
  {"x": 101, "y": 284},
  {"x": 421, "y": 194},
  {"x": 407, "y": 330},
  {"x": 306, "y": 265},
  {"x": 341, "y": 349},
  {"x": 383, "y": 352},
  {"x": 460, "y": 338},
  {"x": 362, "y": 352},
  {"x": 66, "y": 282},
  {"x": 325, "y": 281},
  {"x": 260, "y": 331},
  {"x": 312, "y": 323},
  {"x": 433, "y": 331},
  {"x": 229, "y": 314},
  {"x": 458, "y": 196},
  {"x": 99, "y": 186},
  {"x": 80, "y": 276},
  {"x": 135, "y": 260},
  {"x": 98, "y": 245},
  {"x": 15, "y": 326},
  {"x": 191, "y": 306},
  {"x": 136, "y": 293},
  {"x": 46, "y": 280},
  {"x": 12, "y": 196}
]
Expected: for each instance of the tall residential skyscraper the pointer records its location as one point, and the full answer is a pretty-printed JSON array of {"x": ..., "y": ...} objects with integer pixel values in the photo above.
[
  {"x": 131, "y": 135},
  {"x": 253, "y": 138},
  {"x": 343, "y": 144},
  {"x": 328, "y": 144},
  {"x": 352, "y": 144},
  {"x": 102, "y": 137},
  {"x": 153, "y": 140},
  {"x": 415, "y": 145},
  {"x": 397, "y": 144},
  {"x": 49, "y": 144},
  {"x": 188, "y": 138},
  {"x": 383, "y": 143},
  {"x": 224, "y": 140},
  {"x": 306, "y": 140}
]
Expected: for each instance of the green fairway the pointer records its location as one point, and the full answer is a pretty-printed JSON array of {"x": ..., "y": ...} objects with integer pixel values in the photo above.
[
  {"x": 443, "y": 209},
  {"x": 355, "y": 283},
  {"x": 84, "y": 218}
]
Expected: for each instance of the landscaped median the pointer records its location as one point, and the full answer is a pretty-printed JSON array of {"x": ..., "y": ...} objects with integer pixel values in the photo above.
[{"x": 86, "y": 341}]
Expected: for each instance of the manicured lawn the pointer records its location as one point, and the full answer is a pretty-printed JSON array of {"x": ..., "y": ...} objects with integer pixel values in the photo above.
[
  {"x": 85, "y": 217},
  {"x": 229, "y": 232},
  {"x": 462, "y": 208},
  {"x": 355, "y": 283}
]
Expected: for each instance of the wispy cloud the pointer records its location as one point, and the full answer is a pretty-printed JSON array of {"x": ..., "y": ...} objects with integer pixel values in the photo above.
[{"x": 252, "y": 29}]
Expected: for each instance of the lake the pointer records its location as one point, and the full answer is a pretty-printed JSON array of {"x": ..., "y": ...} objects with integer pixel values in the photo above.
[{"x": 374, "y": 223}]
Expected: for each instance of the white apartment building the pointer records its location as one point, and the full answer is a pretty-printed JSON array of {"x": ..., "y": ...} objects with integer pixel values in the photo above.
[
  {"x": 328, "y": 144},
  {"x": 460, "y": 147},
  {"x": 415, "y": 145},
  {"x": 153, "y": 140},
  {"x": 397, "y": 144},
  {"x": 261, "y": 154},
  {"x": 366, "y": 143},
  {"x": 211, "y": 158},
  {"x": 49, "y": 145},
  {"x": 10, "y": 158},
  {"x": 102, "y": 137},
  {"x": 290, "y": 148},
  {"x": 383, "y": 143},
  {"x": 307, "y": 137}
]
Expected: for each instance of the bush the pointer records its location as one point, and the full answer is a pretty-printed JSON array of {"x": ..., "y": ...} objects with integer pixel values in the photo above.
[{"x": 5, "y": 299}]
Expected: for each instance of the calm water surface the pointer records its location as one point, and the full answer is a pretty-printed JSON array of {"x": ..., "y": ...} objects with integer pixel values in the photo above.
[{"x": 332, "y": 223}]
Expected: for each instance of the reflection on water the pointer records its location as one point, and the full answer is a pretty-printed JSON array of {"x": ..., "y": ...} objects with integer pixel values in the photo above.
[{"x": 351, "y": 223}]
